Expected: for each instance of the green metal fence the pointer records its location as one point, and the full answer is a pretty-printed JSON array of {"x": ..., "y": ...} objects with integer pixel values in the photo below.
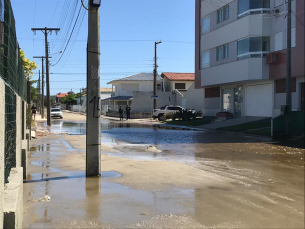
[
  {"x": 296, "y": 122},
  {"x": 11, "y": 66},
  {"x": 12, "y": 73},
  {"x": 10, "y": 131}
]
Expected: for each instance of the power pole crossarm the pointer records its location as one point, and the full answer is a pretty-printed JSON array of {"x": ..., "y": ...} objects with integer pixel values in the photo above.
[{"x": 46, "y": 31}]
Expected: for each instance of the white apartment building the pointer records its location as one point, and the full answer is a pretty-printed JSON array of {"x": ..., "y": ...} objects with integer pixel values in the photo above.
[{"x": 240, "y": 56}]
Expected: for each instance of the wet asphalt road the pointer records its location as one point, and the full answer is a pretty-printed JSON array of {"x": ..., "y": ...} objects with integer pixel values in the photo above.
[{"x": 266, "y": 182}]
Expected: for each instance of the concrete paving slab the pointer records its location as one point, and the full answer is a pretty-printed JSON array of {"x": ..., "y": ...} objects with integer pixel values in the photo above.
[{"x": 231, "y": 122}]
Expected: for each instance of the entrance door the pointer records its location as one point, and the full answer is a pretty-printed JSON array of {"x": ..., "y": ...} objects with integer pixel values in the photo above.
[
  {"x": 238, "y": 99},
  {"x": 302, "y": 96}
]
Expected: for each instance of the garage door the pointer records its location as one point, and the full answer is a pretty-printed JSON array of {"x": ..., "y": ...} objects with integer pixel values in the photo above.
[{"x": 259, "y": 100}]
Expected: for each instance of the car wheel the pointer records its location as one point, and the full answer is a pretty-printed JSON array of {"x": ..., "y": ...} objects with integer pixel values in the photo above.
[{"x": 161, "y": 117}]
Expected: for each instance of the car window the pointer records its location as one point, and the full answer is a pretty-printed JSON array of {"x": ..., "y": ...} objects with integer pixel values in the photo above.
[
  {"x": 55, "y": 109},
  {"x": 173, "y": 108}
]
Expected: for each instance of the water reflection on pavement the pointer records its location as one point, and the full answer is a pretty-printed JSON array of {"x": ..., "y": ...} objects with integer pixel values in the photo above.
[{"x": 263, "y": 182}]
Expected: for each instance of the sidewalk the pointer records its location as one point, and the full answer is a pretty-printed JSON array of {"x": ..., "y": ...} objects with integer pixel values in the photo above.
[{"x": 231, "y": 122}]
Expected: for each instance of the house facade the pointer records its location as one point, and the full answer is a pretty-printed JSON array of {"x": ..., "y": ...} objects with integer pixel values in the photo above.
[
  {"x": 124, "y": 89},
  {"x": 240, "y": 56},
  {"x": 177, "y": 81}
]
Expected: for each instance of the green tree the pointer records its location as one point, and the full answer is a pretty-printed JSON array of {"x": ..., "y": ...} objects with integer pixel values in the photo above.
[
  {"x": 78, "y": 95},
  {"x": 28, "y": 65},
  {"x": 68, "y": 99}
]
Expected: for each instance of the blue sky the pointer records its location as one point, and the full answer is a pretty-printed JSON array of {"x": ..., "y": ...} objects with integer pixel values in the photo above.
[{"x": 128, "y": 30}]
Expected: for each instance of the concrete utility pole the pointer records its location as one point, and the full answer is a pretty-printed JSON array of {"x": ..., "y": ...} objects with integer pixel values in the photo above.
[
  {"x": 42, "y": 84},
  {"x": 155, "y": 74},
  {"x": 46, "y": 31},
  {"x": 93, "y": 132},
  {"x": 288, "y": 73}
]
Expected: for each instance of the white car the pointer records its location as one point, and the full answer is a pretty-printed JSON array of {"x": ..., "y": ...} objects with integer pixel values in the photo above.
[
  {"x": 158, "y": 113},
  {"x": 56, "y": 112}
]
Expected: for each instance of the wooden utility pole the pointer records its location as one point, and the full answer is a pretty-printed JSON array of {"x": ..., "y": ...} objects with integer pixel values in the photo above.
[
  {"x": 42, "y": 84},
  {"x": 288, "y": 72},
  {"x": 38, "y": 96},
  {"x": 93, "y": 135},
  {"x": 46, "y": 31},
  {"x": 155, "y": 75}
]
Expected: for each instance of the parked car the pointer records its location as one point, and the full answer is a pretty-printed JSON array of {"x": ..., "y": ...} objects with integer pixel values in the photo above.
[
  {"x": 56, "y": 112},
  {"x": 159, "y": 113}
]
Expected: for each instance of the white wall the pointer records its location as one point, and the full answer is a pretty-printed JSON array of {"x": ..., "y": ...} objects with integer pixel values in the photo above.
[
  {"x": 237, "y": 71},
  {"x": 127, "y": 88},
  {"x": 18, "y": 130},
  {"x": 142, "y": 101},
  {"x": 194, "y": 98}
]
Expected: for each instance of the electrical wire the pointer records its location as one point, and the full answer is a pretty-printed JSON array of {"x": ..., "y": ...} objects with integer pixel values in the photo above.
[{"x": 69, "y": 38}]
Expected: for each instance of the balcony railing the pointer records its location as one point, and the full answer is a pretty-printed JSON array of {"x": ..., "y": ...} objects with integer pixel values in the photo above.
[{"x": 255, "y": 11}]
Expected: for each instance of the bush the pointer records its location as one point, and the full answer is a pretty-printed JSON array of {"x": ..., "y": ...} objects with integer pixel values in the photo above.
[{"x": 169, "y": 115}]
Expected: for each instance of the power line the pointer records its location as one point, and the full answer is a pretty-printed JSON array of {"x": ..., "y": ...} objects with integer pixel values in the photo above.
[
  {"x": 54, "y": 12},
  {"x": 69, "y": 38},
  {"x": 297, "y": 18}
]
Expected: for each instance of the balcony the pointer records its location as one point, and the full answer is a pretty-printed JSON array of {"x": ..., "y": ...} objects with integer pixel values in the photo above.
[{"x": 247, "y": 7}]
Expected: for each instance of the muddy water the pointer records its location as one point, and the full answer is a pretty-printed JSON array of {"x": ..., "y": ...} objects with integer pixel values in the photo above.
[{"x": 261, "y": 185}]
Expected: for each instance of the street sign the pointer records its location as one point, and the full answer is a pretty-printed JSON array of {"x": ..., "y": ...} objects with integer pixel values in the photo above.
[{"x": 154, "y": 97}]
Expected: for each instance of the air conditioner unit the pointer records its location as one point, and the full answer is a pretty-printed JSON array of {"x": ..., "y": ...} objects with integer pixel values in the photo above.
[{"x": 272, "y": 58}]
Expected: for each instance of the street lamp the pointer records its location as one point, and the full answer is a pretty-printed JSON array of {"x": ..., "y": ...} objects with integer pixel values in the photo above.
[
  {"x": 95, "y": 3},
  {"x": 155, "y": 75}
]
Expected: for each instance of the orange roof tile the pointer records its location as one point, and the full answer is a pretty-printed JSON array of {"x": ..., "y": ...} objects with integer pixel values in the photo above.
[
  {"x": 179, "y": 76},
  {"x": 61, "y": 95}
]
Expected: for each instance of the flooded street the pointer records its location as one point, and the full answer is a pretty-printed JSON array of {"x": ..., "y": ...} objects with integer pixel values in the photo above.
[{"x": 155, "y": 177}]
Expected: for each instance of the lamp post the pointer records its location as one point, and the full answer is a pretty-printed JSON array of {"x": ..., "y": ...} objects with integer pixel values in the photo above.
[{"x": 155, "y": 75}]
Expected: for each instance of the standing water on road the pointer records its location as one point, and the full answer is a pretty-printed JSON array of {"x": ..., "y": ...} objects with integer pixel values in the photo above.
[{"x": 263, "y": 183}]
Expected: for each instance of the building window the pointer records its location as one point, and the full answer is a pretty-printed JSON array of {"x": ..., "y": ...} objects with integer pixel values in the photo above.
[
  {"x": 205, "y": 59},
  {"x": 293, "y": 31},
  {"x": 223, "y": 14},
  {"x": 205, "y": 26},
  {"x": 253, "y": 47},
  {"x": 246, "y": 7},
  {"x": 180, "y": 86},
  {"x": 280, "y": 85},
  {"x": 278, "y": 3},
  {"x": 213, "y": 92},
  {"x": 222, "y": 52},
  {"x": 219, "y": 15},
  {"x": 278, "y": 41}
]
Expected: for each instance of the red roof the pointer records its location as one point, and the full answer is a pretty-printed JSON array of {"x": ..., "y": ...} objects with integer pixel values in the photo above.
[
  {"x": 179, "y": 76},
  {"x": 61, "y": 95}
]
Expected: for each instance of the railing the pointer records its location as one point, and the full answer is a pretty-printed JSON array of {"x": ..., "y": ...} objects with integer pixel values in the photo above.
[
  {"x": 255, "y": 11},
  {"x": 253, "y": 54}
]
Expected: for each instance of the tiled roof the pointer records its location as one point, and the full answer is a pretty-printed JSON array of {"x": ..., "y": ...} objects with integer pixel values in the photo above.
[
  {"x": 61, "y": 95},
  {"x": 105, "y": 89},
  {"x": 139, "y": 77},
  {"x": 119, "y": 98},
  {"x": 179, "y": 76}
]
